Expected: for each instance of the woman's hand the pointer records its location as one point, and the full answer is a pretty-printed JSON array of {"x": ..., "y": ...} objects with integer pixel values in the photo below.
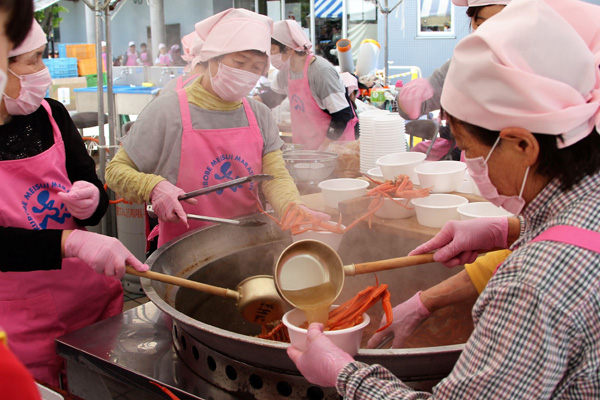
[
  {"x": 82, "y": 199},
  {"x": 104, "y": 254},
  {"x": 166, "y": 204},
  {"x": 407, "y": 317},
  {"x": 459, "y": 242},
  {"x": 322, "y": 361}
]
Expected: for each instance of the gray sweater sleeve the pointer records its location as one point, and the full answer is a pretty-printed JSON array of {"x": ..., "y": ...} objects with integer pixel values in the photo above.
[{"x": 436, "y": 80}]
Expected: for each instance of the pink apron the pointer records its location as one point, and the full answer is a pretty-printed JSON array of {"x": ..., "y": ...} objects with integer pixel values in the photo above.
[
  {"x": 131, "y": 59},
  {"x": 37, "y": 307},
  {"x": 164, "y": 59},
  {"x": 309, "y": 121},
  {"x": 181, "y": 82},
  {"x": 584, "y": 238},
  {"x": 144, "y": 59},
  {"x": 211, "y": 156}
]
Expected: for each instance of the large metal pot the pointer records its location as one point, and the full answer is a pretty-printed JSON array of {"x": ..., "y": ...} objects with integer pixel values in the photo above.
[{"x": 225, "y": 255}]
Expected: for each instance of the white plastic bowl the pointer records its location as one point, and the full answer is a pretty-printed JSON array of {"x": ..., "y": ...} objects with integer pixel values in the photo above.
[
  {"x": 435, "y": 210},
  {"x": 442, "y": 176},
  {"x": 391, "y": 210},
  {"x": 396, "y": 164},
  {"x": 330, "y": 238},
  {"x": 375, "y": 174},
  {"x": 481, "y": 209},
  {"x": 346, "y": 339},
  {"x": 336, "y": 190}
]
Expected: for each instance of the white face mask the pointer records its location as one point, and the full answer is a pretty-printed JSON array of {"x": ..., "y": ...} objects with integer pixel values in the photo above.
[
  {"x": 232, "y": 84},
  {"x": 278, "y": 63},
  {"x": 33, "y": 90},
  {"x": 3, "y": 80},
  {"x": 478, "y": 170}
]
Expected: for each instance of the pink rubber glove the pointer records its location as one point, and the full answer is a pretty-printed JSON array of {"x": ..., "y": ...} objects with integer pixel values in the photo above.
[
  {"x": 459, "y": 241},
  {"x": 317, "y": 214},
  {"x": 412, "y": 95},
  {"x": 166, "y": 205},
  {"x": 322, "y": 361},
  {"x": 105, "y": 254},
  {"x": 407, "y": 317},
  {"x": 81, "y": 200}
]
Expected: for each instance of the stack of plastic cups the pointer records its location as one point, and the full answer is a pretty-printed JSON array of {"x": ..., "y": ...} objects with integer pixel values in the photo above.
[
  {"x": 384, "y": 133},
  {"x": 368, "y": 155}
]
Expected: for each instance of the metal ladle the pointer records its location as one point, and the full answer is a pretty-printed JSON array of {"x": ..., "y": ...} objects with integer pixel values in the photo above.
[
  {"x": 309, "y": 263},
  {"x": 256, "y": 296}
]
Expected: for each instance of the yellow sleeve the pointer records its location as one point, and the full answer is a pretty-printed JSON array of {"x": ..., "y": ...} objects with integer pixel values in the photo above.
[
  {"x": 282, "y": 190},
  {"x": 483, "y": 268},
  {"x": 123, "y": 176}
]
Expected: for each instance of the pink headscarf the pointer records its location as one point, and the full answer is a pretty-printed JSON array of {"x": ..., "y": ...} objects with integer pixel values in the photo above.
[
  {"x": 533, "y": 66},
  {"x": 35, "y": 38},
  {"x": 232, "y": 30},
  {"x": 192, "y": 45},
  {"x": 350, "y": 82},
  {"x": 479, "y": 3},
  {"x": 290, "y": 33}
]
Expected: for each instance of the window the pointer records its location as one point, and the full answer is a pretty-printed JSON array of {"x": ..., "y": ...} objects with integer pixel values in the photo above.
[{"x": 435, "y": 18}]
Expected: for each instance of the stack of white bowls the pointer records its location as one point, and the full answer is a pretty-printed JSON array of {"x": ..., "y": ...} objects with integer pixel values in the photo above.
[{"x": 381, "y": 133}]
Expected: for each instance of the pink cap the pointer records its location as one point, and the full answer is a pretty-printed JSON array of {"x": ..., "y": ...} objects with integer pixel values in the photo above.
[
  {"x": 35, "y": 38},
  {"x": 192, "y": 45},
  {"x": 232, "y": 30},
  {"x": 350, "y": 81},
  {"x": 548, "y": 83},
  {"x": 479, "y": 3},
  {"x": 290, "y": 33}
]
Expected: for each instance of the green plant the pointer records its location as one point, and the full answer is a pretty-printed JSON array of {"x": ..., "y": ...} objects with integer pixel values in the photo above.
[{"x": 49, "y": 18}]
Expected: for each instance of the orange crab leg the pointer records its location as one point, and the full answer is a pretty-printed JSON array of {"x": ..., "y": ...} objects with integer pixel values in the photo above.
[{"x": 387, "y": 308}]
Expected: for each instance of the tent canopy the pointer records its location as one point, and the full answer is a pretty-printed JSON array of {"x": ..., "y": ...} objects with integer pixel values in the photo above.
[{"x": 329, "y": 8}]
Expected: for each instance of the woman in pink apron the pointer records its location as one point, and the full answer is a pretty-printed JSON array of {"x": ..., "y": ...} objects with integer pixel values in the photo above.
[
  {"x": 144, "y": 55},
  {"x": 163, "y": 58},
  {"x": 317, "y": 120},
  {"x": 208, "y": 133},
  {"x": 52, "y": 288},
  {"x": 131, "y": 57},
  {"x": 529, "y": 127}
]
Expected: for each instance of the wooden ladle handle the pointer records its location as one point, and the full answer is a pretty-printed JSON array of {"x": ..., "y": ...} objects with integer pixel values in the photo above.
[
  {"x": 174, "y": 280},
  {"x": 383, "y": 265}
]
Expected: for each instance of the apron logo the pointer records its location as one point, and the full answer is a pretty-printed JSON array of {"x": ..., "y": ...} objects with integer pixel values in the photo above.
[
  {"x": 224, "y": 168},
  {"x": 39, "y": 206},
  {"x": 297, "y": 103}
]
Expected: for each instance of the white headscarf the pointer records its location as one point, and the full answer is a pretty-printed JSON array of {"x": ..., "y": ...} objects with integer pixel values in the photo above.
[{"x": 535, "y": 66}]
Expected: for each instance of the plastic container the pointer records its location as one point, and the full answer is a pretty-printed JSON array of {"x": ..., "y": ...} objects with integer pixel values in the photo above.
[
  {"x": 346, "y": 339},
  {"x": 344, "y": 48},
  {"x": 92, "y": 80},
  {"x": 88, "y": 67},
  {"x": 336, "y": 190},
  {"x": 442, "y": 176},
  {"x": 481, "y": 209},
  {"x": 329, "y": 238},
  {"x": 392, "y": 210},
  {"x": 368, "y": 54},
  {"x": 61, "y": 67},
  {"x": 437, "y": 209},
  {"x": 62, "y": 48},
  {"x": 80, "y": 51},
  {"x": 403, "y": 163},
  {"x": 376, "y": 174}
]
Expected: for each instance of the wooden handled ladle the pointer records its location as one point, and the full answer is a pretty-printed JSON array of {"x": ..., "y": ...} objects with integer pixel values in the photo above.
[
  {"x": 256, "y": 296},
  {"x": 311, "y": 264}
]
